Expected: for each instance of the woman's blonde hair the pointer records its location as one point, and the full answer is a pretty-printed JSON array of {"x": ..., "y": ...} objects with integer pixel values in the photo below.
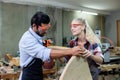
[{"x": 90, "y": 35}]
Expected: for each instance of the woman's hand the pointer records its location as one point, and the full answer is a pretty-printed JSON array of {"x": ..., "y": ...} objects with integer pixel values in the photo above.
[{"x": 85, "y": 53}]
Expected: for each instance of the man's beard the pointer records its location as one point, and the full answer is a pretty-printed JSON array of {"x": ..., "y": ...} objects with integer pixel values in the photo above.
[{"x": 40, "y": 33}]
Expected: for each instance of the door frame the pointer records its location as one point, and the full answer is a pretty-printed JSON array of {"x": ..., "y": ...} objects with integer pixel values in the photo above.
[{"x": 118, "y": 33}]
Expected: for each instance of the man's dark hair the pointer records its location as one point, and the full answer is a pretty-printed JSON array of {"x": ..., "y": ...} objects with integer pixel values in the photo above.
[{"x": 40, "y": 18}]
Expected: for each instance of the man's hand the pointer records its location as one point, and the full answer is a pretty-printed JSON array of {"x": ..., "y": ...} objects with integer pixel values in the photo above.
[
  {"x": 79, "y": 51},
  {"x": 76, "y": 51}
]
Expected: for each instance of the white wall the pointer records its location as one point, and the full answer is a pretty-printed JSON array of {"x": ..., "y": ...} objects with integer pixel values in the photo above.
[
  {"x": 111, "y": 26},
  {"x": 0, "y": 23},
  {"x": 59, "y": 24},
  {"x": 15, "y": 20}
]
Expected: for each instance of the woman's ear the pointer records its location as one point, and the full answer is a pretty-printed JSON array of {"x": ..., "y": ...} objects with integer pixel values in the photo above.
[{"x": 83, "y": 27}]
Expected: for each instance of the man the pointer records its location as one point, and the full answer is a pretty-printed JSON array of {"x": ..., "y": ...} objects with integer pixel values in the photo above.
[{"x": 32, "y": 51}]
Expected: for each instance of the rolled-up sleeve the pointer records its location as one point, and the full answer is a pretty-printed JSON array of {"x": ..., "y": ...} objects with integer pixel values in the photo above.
[
  {"x": 34, "y": 49},
  {"x": 98, "y": 51}
]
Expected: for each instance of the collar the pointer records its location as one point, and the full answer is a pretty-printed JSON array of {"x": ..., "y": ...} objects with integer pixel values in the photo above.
[
  {"x": 35, "y": 35},
  {"x": 86, "y": 44}
]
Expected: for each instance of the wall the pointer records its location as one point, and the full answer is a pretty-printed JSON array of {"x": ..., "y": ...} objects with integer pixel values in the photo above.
[
  {"x": 15, "y": 20},
  {"x": 0, "y": 24},
  {"x": 59, "y": 30},
  {"x": 14, "y": 23},
  {"x": 111, "y": 26}
]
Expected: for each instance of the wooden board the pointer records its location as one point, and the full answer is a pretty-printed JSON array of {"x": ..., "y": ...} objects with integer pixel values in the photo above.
[{"x": 76, "y": 69}]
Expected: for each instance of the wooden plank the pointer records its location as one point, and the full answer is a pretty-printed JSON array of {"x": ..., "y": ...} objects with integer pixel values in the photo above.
[{"x": 76, "y": 69}]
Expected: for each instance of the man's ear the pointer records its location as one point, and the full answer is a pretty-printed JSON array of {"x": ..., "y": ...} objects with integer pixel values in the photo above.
[{"x": 34, "y": 27}]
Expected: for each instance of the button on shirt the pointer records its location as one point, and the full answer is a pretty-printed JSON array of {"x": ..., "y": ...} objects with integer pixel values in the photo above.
[{"x": 30, "y": 47}]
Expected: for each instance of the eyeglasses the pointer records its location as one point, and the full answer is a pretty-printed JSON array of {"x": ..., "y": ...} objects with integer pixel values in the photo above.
[{"x": 75, "y": 25}]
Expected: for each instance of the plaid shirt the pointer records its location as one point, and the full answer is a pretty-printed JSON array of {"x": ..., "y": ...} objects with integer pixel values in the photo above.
[{"x": 93, "y": 48}]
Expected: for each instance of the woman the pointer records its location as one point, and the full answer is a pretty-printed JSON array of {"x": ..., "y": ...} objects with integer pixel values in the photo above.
[{"x": 90, "y": 49}]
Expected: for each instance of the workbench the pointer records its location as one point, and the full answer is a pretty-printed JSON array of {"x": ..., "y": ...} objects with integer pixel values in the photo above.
[
  {"x": 10, "y": 76},
  {"x": 110, "y": 71},
  {"x": 15, "y": 75}
]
